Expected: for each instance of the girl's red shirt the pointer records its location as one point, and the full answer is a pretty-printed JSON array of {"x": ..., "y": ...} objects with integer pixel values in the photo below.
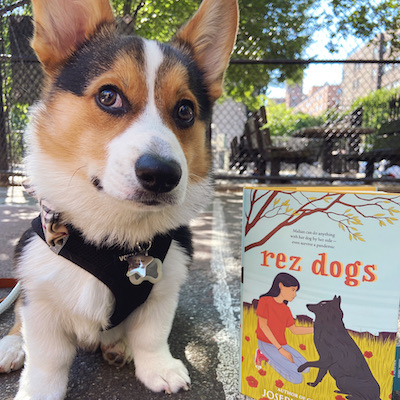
[{"x": 278, "y": 316}]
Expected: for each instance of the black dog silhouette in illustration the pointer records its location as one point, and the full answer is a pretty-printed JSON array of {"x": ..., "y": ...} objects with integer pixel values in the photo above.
[{"x": 339, "y": 354}]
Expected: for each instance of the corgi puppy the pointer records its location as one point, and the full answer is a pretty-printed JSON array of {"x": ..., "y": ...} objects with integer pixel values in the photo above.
[{"x": 117, "y": 153}]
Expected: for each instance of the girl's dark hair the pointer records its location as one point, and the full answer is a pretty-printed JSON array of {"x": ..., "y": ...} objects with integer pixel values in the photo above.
[{"x": 287, "y": 280}]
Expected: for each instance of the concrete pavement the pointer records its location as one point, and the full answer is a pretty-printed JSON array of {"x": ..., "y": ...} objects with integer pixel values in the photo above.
[{"x": 205, "y": 333}]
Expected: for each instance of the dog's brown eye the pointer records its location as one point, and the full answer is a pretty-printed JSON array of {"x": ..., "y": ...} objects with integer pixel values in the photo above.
[
  {"x": 184, "y": 114},
  {"x": 109, "y": 97},
  {"x": 110, "y": 100}
]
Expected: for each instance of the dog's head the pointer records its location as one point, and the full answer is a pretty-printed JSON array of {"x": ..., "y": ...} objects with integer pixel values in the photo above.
[
  {"x": 122, "y": 122},
  {"x": 327, "y": 309}
]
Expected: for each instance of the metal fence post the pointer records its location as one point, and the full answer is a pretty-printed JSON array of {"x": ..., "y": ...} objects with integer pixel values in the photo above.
[{"x": 3, "y": 125}]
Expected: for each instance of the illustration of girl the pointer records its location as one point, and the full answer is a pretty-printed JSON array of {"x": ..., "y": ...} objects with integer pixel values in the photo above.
[{"x": 274, "y": 316}]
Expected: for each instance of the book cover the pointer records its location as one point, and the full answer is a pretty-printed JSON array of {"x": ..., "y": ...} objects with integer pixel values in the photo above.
[
  {"x": 320, "y": 294},
  {"x": 396, "y": 375}
]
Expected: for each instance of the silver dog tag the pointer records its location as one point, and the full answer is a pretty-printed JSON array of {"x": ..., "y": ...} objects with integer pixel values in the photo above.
[{"x": 144, "y": 268}]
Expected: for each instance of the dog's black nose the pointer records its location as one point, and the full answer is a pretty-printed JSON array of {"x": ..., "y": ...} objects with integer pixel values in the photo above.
[{"x": 157, "y": 174}]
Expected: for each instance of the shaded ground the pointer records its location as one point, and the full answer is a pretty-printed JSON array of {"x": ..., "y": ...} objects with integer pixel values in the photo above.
[{"x": 195, "y": 336}]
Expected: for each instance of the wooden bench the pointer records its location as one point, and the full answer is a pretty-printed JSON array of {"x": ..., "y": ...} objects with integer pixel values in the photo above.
[
  {"x": 386, "y": 147},
  {"x": 245, "y": 150},
  {"x": 341, "y": 141},
  {"x": 255, "y": 146}
]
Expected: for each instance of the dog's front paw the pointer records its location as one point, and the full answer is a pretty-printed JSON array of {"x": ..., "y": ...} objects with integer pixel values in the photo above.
[
  {"x": 12, "y": 355},
  {"x": 163, "y": 375},
  {"x": 117, "y": 354}
]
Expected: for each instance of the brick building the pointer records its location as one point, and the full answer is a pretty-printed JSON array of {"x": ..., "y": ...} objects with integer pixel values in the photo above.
[
  {"x": 320, "y": 99},
  {"x": 361, "y": 79}
]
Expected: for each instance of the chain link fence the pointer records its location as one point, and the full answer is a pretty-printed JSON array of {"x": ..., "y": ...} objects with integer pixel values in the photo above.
[
  {"x": 342, "y": 122},
  {"x": 345, "y": 131}
]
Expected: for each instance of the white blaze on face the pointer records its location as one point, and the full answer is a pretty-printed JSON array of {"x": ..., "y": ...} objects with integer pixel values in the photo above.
[{"x": 148, "y": 134}]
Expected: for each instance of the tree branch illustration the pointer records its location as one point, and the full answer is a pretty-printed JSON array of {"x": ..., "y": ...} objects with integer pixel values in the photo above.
[{"x": 329, "y": 204}]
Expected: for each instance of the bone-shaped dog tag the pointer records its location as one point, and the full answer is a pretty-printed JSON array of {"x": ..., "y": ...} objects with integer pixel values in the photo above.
[{"x": 144, "y": 268}]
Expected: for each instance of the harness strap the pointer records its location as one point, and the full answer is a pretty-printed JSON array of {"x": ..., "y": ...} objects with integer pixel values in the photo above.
[{"x": 109, "y": 265}]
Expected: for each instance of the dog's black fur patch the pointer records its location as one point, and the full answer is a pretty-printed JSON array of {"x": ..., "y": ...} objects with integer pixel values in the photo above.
[
  {"x": 96, "y": 56},
  {"x": 196, "y": 80},
  {"x": 183, "y": 235},
  {"x": 23, "y": 241}
]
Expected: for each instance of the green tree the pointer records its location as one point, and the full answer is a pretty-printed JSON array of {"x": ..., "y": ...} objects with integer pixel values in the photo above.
[
  {"x": 156, "y": 19},
  {"x": 363, "y": 19},
  {"x": 375, "y": 107},
  {"x": 273, "y": 29},
  {"x": 284, "y": 121},
  {"x": 376, "y": 111}
]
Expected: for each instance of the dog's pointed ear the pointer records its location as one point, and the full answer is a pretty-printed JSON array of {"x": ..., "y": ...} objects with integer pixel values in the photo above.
[
  {"x": 61, "y": 26},
  {"x": 211, "y": 35}
]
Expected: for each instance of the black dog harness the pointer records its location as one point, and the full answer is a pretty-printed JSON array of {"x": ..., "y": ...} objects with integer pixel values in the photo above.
[{"x": 110, "y": 265}]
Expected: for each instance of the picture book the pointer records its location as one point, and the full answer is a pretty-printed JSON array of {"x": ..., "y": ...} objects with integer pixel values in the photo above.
[{"x": 320, "y": 293}]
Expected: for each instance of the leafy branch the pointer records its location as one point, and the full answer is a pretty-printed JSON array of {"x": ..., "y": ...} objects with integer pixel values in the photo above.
[{"x": 274, "y": 203}]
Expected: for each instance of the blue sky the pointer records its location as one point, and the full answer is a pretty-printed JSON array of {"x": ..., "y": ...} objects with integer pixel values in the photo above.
[{"x": 319, "y": 74}]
